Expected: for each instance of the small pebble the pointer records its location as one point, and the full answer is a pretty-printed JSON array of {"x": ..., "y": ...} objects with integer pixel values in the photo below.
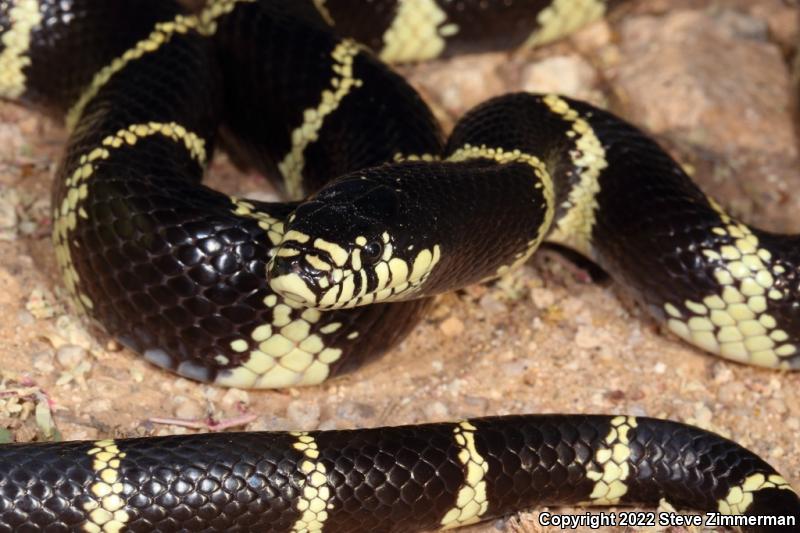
[
  {"x": 43, "y": 362},
  {"x": 492, "y": 306},
  {"x": 25, "y": 318},
  {"x": 637, "y": 410},
  {"x": 514, "y": 368},
  {"x": 569, "y": 75},
  {"x": 702, "y": 415},
  {"x": 436, "y": 411},
  {"x": 8, "y": 217},
  {"x": 28, "y": 227},
  {"x": 70, "y": 355},
  {"x": 188, "y": 409},
  {"x": 327, "y": 425},
  {"x": 776, "y": 406},
  {"x": 587, "y": 337},
  {"x": 356, "y": 412},
  {"x": 452, "y": 327},
  {"x": 234, "y": 396},
  {"x": 302, "y": 414},
  {"x": 543, "y": 298},
  {"x": 478, "y": 404}
]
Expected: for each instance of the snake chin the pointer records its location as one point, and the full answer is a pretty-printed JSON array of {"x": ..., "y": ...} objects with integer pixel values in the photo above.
[{"x": 291, "y": 282}]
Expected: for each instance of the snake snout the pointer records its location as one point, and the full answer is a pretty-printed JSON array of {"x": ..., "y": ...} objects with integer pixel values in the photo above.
[{"x": 293, "y": 277}]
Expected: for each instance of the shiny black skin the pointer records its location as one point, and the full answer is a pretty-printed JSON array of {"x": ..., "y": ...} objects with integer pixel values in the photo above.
[
  {"x": 172, "y": 269},
  {"x": 396, "y": 479}
]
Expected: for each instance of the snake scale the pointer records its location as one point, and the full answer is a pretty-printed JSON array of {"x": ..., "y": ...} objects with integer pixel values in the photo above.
[{"x": 384, "y": 214}]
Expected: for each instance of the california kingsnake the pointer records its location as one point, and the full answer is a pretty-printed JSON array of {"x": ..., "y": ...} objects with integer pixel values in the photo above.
[{"x": 227, "y": 290}]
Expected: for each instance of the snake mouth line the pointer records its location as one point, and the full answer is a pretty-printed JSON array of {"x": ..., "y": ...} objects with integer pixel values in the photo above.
[{"x": 293, "y": 287}]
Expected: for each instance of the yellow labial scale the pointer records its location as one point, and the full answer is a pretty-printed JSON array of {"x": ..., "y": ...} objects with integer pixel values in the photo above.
[
  {"x": 287, "y": 252},
  {"x": 337, "y": 253},
  {"x": 610, "y": 482},
  {"x": 290, "y": 284},
  {"x": 562, "y": 17},
  {"x": 422, "y": 264},
  {"x": 346, "y": 292},
  {"x": 342, "y": 83},
  {"x": 318, "y": 263},
  {"x": 105, "y": 505},
  {"x": 472, "y": 500},
  {"x": 382, "y": 274},
  {"x": 23, "y": 17},
  {"x": 398, "y": 269},
  {"x": 297, "y": 236},
  {"x": 417, "y": 32},
  {"x": 672, "y": 310}
]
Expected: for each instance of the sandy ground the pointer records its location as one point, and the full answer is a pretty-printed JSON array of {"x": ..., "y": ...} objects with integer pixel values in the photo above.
[{"x": 710, "y": 79}]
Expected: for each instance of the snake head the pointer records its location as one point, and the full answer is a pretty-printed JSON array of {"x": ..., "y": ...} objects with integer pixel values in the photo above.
[{"x": 352, "y": 244}]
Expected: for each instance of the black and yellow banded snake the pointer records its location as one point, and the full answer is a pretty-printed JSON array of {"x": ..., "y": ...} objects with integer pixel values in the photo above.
[{"x": 183, "y": 274}]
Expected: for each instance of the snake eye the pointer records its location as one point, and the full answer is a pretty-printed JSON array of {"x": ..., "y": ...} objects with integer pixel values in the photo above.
[{"x": 371, "y": 252}]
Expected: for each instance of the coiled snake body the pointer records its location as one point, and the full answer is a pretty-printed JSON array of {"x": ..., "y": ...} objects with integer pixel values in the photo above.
[{"x": 252, "y": 294}]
